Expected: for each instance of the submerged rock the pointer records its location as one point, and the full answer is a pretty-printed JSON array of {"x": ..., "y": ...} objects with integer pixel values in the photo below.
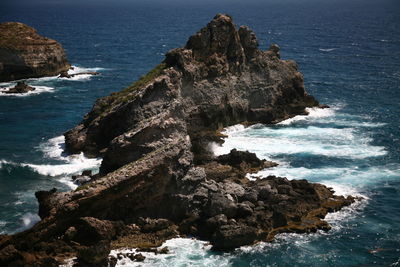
[
  {"x": 159, "y": 178},
  {"x": 26, "y": 54}
]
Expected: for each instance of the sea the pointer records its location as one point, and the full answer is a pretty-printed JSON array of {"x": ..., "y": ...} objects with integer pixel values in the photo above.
[{"x": 349, "y": 53}]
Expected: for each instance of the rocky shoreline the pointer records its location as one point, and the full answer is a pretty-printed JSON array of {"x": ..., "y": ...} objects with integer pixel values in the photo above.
[{"x": 159, "y": 179}]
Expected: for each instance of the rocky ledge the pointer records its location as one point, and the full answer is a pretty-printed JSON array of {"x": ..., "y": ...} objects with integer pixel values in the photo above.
[
  {"x": 26, "y": 54},
  {"x": 159, "y": 179}
]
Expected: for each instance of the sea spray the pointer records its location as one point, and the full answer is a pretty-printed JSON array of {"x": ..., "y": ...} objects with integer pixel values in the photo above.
[{"x": 65, "y": 165}]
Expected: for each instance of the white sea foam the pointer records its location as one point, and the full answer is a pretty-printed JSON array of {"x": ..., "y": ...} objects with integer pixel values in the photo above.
[
  {"x": 54, "y": 147},
  {"x": 352, "y": 176},
  {"x": 38, "y": 90},
  {"x": 76, "y": 69},
  {"x": 319, "y": 133},
  {"x": 80, "y": 77},
  {"x": 311, "y": 140},
  {"x": 313, "y": 113},
  {"x": 72, "y": 164},
  {"x": 28, "y": 220},
  {"x": 182, "y": 252},
  {"x": 69, "y": 164},
  {"x": 73, "y": 70},
  {"x": 327, "y": 49},
  {"x": 234, "y": 129}
]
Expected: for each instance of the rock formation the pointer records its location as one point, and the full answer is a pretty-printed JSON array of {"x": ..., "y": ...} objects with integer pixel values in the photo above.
[
  {"x": 20, "y": 88},
  {"x": 26, "y": 54},
  {"x": 158, "y": 178}
]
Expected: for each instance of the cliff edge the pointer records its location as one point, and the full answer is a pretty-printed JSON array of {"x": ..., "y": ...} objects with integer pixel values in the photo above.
[
  {"x": 159, "y": 179},
  {"x": 26, "y": 54}
]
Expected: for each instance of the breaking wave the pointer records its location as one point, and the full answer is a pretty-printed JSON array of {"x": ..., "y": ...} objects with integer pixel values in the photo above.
[
  {"x": 68, "y": 164},
  {"x": 81, "y": 77},
  {"x": 182, "y": 252}
]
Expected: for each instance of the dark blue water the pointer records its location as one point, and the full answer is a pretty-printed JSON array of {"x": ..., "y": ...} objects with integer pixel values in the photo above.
[{"x": 349, "y": 53}]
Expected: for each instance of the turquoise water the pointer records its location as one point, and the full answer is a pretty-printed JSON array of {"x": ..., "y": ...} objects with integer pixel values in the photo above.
[{"x": 349, "y": 54}]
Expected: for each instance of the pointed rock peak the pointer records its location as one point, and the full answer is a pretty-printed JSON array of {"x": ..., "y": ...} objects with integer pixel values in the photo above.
[
  {"x": 218, "y": 37},
  {"x": 223, "y": 18}
]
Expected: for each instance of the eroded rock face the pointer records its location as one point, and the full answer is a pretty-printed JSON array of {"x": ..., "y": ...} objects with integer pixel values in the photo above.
[
  {"x": 218, "y": 79},
  {"x": 159, "y": 179},
  {"x": 26, "y": 54}
]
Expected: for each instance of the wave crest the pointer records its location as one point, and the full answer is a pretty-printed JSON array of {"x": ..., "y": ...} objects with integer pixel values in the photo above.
[{"x": 69, "y": 164}]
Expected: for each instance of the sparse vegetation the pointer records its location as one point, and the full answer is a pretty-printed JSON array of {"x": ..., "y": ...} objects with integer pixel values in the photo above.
[
  {"x": 129, "y": 93},
  {"x": 15, "y": 35}
]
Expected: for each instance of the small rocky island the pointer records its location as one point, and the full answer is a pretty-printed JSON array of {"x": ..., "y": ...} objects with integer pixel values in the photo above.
[
  {"x": 20, "y": 88},
  {"x": 26, "y": 54},
  {"x": 159, "y": 179}
]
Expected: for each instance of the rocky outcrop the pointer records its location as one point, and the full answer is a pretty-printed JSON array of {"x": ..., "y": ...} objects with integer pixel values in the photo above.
[
  {"x": 159, "y": 178},
  {"x": 26, "y": 54},
  {"x": 20, "y": 88}
]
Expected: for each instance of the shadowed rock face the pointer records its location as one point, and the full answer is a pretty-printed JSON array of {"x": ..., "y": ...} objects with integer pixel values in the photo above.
[
  {"x": 25, "y": 54},
  {"x": 159, "y": 180}
]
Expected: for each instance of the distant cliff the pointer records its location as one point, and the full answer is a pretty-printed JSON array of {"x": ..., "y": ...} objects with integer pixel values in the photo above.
[
  {"x": 158, "y": 177},
  {"x": 26, "y": 54}
]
